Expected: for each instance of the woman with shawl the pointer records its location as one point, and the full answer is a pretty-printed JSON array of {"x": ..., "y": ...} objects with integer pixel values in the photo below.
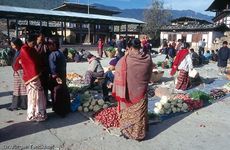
[{"x": 133, "y": 72}]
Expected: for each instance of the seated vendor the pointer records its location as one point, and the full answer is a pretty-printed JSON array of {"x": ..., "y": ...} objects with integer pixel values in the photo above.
[
  {"x": 195, "y": 57},
  {"x": 94, "y": 71},
  {"x": 109, "y": 76}
]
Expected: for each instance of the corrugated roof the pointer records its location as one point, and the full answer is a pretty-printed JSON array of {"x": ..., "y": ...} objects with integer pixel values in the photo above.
[{"x": 9, "y": 11}]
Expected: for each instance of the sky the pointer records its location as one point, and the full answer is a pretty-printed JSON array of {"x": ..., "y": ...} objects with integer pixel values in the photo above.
[{"x": 196, "y": 5}]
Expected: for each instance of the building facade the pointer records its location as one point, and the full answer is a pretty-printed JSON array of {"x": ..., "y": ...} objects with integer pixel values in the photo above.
[{"x": 192, "y": 30}]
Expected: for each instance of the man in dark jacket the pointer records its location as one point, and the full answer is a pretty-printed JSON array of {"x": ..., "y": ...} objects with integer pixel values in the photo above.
[
  {"x": 59, "y": 92},
  {"x": 223, "y": 56}
]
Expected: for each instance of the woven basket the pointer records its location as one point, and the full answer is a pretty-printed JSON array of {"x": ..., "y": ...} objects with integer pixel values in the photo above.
[
  {"x": 156, "y": 76},
  {"x": 110, "y": 54}
]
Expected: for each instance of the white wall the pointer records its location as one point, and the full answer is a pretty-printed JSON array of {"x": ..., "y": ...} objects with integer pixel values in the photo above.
[{"x": 189, "y": 38}]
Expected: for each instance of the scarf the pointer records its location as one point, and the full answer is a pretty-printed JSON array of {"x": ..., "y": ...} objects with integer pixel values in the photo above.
[
  {"x": 132, "y": 76},
  {"x": 179, "y": 58}
]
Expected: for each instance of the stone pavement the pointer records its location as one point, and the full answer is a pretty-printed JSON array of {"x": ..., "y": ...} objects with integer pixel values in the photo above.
[{"x": 205, "y": 129}]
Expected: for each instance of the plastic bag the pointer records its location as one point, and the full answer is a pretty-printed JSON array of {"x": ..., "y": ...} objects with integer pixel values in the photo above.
[{"x": 75, "y": 103}]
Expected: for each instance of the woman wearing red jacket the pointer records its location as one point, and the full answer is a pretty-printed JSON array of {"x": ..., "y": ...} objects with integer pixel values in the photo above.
[
  {"x": 31, "y": 67},
  {"x": 19, "y": 100}
]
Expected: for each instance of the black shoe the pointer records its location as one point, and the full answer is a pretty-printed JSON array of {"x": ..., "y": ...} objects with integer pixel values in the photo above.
[{"x": 12, "y": 109}]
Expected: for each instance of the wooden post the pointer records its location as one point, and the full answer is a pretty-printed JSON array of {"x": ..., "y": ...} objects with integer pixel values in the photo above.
[
  {"x": 40, "y": 25},
  {"x": 94, "y": 33},
  {"x": 8, "y": 27},
  {"x": 119, "y": 30},
  {"x": 80, "y": 33},
  {"x": 126, "y": 30},
  {"x": 65, "y": 32},
  {"x": 61, "y": 33},
  {"x": 16, "y": 27},
  {"x": 139, "y": 30}
]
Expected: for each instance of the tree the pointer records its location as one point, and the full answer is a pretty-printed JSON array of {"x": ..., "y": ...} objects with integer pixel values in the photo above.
[{"x": 155, "y": 17}]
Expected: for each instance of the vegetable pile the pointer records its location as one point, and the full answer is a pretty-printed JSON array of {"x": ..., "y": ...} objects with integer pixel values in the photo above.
[
  {"x": 167, "y": 106},
  {"x": 108, "y": 117},
  {"x": 217, "y": 94},
  {"x": 89, "y": 103},
  {"x": 193, "y": 104},
  {"x": 227, "y": 87}
]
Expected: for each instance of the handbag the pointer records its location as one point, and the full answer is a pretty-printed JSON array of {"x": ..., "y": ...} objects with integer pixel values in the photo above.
[{"x": 192, "y": 73}]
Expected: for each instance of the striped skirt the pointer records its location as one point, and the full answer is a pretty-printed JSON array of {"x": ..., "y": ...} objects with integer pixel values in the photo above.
[
  {"x": 182, "y": 80},
  {"x": 19, "y": 86},
  {"x": 134, "y": 120}
]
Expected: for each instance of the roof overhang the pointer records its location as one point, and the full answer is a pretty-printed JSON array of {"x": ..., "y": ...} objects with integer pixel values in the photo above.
[{"x": 51, "y": 15}]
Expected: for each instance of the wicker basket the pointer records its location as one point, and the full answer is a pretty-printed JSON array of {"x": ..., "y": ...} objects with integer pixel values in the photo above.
[
  {"x": 228, "y": 73},
  {"x": 156, "y": 76},
  {"x": 110, "y": 54}
]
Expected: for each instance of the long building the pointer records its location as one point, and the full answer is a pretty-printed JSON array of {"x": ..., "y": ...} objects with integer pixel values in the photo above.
[{"x": 69, "y": 21}]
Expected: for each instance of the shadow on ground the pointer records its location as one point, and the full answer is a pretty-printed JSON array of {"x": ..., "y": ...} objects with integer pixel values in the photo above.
[
  {"x": 21, "y": 129},
  {"x": 8, "y": 93},
  {"x": 156, "y": 129}
]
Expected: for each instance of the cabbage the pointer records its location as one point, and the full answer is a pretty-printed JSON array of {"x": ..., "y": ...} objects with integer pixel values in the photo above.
[
  {"x": 166, "y": 105},
  {"x": 101, "y": 102},
  {"x": 164, "y": 100},
  {"x": 96, "y": 108},
  {"x": 156, "y": 110},
  {"x": 86, "y": 109}
]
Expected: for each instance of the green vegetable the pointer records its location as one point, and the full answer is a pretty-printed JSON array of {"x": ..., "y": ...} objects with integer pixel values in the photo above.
[
  {"x": 110, "y": 49},
  {"x": 199, "y": 95},
  {"x": 159, "y": 63}
]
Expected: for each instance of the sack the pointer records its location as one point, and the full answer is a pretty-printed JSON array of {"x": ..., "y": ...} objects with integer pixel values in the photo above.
[{"x": 192, "y": 73}]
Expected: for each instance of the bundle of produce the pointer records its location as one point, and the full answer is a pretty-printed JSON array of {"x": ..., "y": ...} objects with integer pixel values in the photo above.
[
  {"x": 156, "y": 75},
  {"x": 200, "y": 95},
  {"x": 108, "y": 117},
  {"x": 227, "y": 87},
  {"x": 73, "y": 76},
  {"x": 165, "y": 65},
  {"x": 159, "y": 63},
  {"x": 193, "y": 104},
  {"x": 91, "y": 104},
  {"x": 217, "y": 94},
  {"x": 167, "y": 106}
]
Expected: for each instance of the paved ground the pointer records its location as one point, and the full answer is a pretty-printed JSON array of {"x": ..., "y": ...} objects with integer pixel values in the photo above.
[{"x": 75, "y": 132}]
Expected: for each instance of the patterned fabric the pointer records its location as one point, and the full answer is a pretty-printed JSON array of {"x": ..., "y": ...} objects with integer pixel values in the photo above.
[
  {"x": 133, "y": 73},
  {"x": 183, "y": 80},
  {"x": 133, "y": 120},
  {"x": 179, "y": 58},
  {"x": 19, "y": 86},
  {"x": 91, "y": 76},
  {"x": 36, "y": 101}
]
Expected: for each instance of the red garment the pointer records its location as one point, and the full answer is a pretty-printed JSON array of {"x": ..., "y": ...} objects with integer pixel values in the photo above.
[
  {"x": 179, "y": 58},
  {"x": 183, "y": 80},
  {"x": 30, "y": 63},
  {"x": 132, "y": 76},
  {"x": 100, "y": 44},
  {"x": 16, "y": 65}
]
